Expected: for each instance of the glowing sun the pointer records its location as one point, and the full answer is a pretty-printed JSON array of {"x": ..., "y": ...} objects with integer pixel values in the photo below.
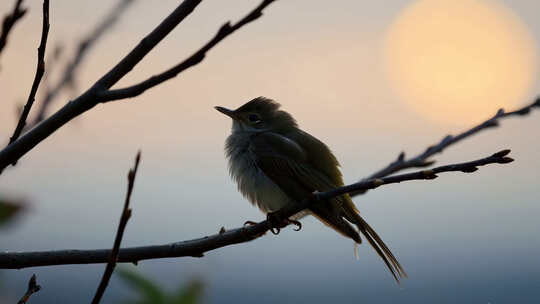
[{"x": 459, "y": 61}]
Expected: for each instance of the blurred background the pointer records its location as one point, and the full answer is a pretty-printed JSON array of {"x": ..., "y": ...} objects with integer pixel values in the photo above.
[{"x": 369, "y": 78}]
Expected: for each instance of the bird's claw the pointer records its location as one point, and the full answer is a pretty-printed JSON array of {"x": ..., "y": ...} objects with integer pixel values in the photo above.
[
  {"x": 296, "y": 223},
  {"x": 275, "y": 230},
  {"x": 275, "y": 223}
]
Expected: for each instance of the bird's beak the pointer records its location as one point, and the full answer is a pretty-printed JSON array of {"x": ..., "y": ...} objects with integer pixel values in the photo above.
[{"x": 226, "y": 111}]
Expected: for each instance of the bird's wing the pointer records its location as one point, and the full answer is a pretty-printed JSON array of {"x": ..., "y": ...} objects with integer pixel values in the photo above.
[
  {"x": 320, "y": 156},
  {"x": 281, "y": 158},
  {"x": 286, "y": 164}
]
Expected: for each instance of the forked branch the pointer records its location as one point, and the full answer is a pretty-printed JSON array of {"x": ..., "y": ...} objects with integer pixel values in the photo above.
[
  {"x": 225, "y": 30},
  {"x": 98, "y": 92},
  {"x": 422, "y": 160},
  {"x": 84, "y": 47},
  {"x": 33, "y": 287}
]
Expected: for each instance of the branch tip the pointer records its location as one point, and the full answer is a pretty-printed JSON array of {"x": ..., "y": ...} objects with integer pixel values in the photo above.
[
  {"x": 506, "y": 160},
  {"x": 502, "y": 153},
  {"x": 32, "y": 284},
  {"x": 401, "y": 156},
  {"x": 138, "y": 157}
]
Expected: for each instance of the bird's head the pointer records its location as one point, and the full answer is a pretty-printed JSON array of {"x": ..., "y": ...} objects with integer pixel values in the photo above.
[{"x": 259, "y": 115}]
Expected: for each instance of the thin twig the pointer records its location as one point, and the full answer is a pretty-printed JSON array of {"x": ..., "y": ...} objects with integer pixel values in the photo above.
[
  {"x": 90, "y": 98},
  {"x": 124, "y": 218},
  {"x": 83, "y": 48},
  {"x": 225, "y": 30},
  {"x": 52, "y": 60},
  {"x": 421, "y": 160},
  {"x": 33, "y": 287},
  {"x": 9, "y": 21},
  {"x": 40, "y": 69},
  {"x": 197, "y": 247}
]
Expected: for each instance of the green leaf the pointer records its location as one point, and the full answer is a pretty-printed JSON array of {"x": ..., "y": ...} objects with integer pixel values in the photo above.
[
  {"x": 8, "y": 210},
  {"x": 191, "y": 294},
  {"x": 150, "y": 292}
]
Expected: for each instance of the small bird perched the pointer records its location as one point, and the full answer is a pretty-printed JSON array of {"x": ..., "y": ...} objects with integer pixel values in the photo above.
[{"x": 275, "y": 164}]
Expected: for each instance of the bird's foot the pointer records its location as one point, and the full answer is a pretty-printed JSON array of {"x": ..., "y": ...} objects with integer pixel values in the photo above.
[{"x": 275, "y": 223}]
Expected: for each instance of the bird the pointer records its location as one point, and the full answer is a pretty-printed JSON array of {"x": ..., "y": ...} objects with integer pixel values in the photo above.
[{"x": 275, "y": 163}]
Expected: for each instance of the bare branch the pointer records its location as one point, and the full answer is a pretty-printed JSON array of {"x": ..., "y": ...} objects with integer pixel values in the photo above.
[
  {"x": 91, "y": 97},
  {"x": 421, "y": 160},
  {"x": 124, "y": 218},
  {"x": 197, "y": 247},
  {"x": 33, "y": 287},
  {"x": 39, "y": 73},
  {"x": 225, "y": 30},
  {"x": 85, "y": 45},
  {"x": 9, "y": 21}
]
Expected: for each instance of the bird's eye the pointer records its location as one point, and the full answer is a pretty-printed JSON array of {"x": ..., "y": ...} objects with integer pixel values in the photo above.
[{"x": 254, "y": 118}]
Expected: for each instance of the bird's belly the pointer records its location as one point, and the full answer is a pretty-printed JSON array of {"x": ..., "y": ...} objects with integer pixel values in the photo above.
[{"x": 259, "y": 189}]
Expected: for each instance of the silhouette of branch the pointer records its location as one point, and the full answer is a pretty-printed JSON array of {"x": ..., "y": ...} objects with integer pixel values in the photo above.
[
  {"x": 197, "y": 247},
  {"x": 33, "y": 287},
  {"x": 83, "y": 48},
  {"x": 421, "y": 160},
  {"x": 95, "y": 94},
  {"x": 9, "y": 21},
  {"x": 40, "y": 70},
  {"x": 225, "y": 30},
  {"x": 124, "y": 218}
]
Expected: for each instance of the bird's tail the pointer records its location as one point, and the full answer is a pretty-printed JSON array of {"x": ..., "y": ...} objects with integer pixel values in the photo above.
[
  {"x": 340, "y": 219},
  {"x": 377, "y": 243}
]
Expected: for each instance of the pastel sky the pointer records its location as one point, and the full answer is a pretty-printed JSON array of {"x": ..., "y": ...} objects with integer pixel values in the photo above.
[{"x": 470, "y": 238}]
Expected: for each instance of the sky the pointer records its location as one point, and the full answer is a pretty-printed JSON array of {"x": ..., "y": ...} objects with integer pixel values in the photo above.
[{"x": 463, "y": 237}]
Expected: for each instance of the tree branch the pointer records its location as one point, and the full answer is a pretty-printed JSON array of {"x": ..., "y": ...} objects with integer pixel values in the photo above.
[
  {"x": 421, "y": 160},
  {"x": 33, "y": 287},
  {"x": 91, "y": 97},
  {"x": 9, "y": 21},
  {"x": 84, "y": 46},
  {"x": 124, "y": 218},
  {"x": 39, "y": 74},
  {"x": 197, "y": 247},
  {"x": 225, "y": 30}
]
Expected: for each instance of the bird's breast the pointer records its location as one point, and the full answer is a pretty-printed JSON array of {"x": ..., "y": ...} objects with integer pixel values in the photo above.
[{"x": 258, "y": 188}]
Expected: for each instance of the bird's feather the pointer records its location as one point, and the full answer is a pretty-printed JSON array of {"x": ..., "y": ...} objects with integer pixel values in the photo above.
[{"x": 293, "y": 163}]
